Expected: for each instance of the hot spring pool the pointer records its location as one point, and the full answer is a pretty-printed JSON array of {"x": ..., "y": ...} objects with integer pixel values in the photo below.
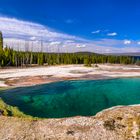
[{"x": 72, "y": 98}]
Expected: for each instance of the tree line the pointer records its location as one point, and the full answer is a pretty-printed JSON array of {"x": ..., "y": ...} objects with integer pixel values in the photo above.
[{"x": 10, "y": 57}]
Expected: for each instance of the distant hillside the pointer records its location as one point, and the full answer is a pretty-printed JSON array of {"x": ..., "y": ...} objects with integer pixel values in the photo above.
[
  {"x": 114, "y": 54},
  {"x": 88, "y": 53},
  {"x": 124, "y": 54}
]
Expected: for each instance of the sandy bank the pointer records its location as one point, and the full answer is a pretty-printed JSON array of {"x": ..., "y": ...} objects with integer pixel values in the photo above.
[{"x": 40, "y": 75}]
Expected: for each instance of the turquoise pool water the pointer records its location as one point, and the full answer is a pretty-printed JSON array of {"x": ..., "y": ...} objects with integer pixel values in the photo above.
[{"x": 71, "y": 98}]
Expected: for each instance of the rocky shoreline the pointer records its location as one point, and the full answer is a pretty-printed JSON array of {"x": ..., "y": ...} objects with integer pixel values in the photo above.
[
  {"x": 119, "y": 123},
  {"x": 17, "y": 77}
]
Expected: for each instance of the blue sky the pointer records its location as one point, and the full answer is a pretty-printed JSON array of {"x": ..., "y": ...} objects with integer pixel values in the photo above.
[{"x": 88, "y": 24}]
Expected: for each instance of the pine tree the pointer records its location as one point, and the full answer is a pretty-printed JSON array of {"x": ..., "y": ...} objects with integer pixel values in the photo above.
[{"x": 1, "y": 40}]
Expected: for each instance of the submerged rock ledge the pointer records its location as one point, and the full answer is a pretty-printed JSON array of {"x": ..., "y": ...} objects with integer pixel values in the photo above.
[{"x": 118, "y": 123}]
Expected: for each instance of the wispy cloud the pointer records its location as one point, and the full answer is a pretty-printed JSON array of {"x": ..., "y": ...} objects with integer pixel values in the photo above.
[
  {"x": 96, "y": 32},
  {"x": 81, "y": 45},
  {"x": 127, "y": 42},
  {"x": 112, "y": 34},
  {"x": 55, "y": 43},
  {"x": 21, "y": 29},
  {"x": 22, "y": 34}
]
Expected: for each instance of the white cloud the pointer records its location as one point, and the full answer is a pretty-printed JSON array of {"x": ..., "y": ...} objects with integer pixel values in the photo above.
[
  {"x": 112, "y": 34},
  {"x": 80, "y": 45},
  {"x": 21, "y": 35},
  {"x": 55, "y": 43},
  {"x": 33, "y": 38},
  {"x": 96, "y": 32},
  {"x": 23, "y": 29},
  {"x": 138, "y": 42},
  {"x": 69, "y": 41},
  {"x": 126, "y": 42}
]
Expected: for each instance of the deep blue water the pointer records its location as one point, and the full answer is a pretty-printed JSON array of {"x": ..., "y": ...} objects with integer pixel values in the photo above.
[{"x": 71, "y": 98}]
